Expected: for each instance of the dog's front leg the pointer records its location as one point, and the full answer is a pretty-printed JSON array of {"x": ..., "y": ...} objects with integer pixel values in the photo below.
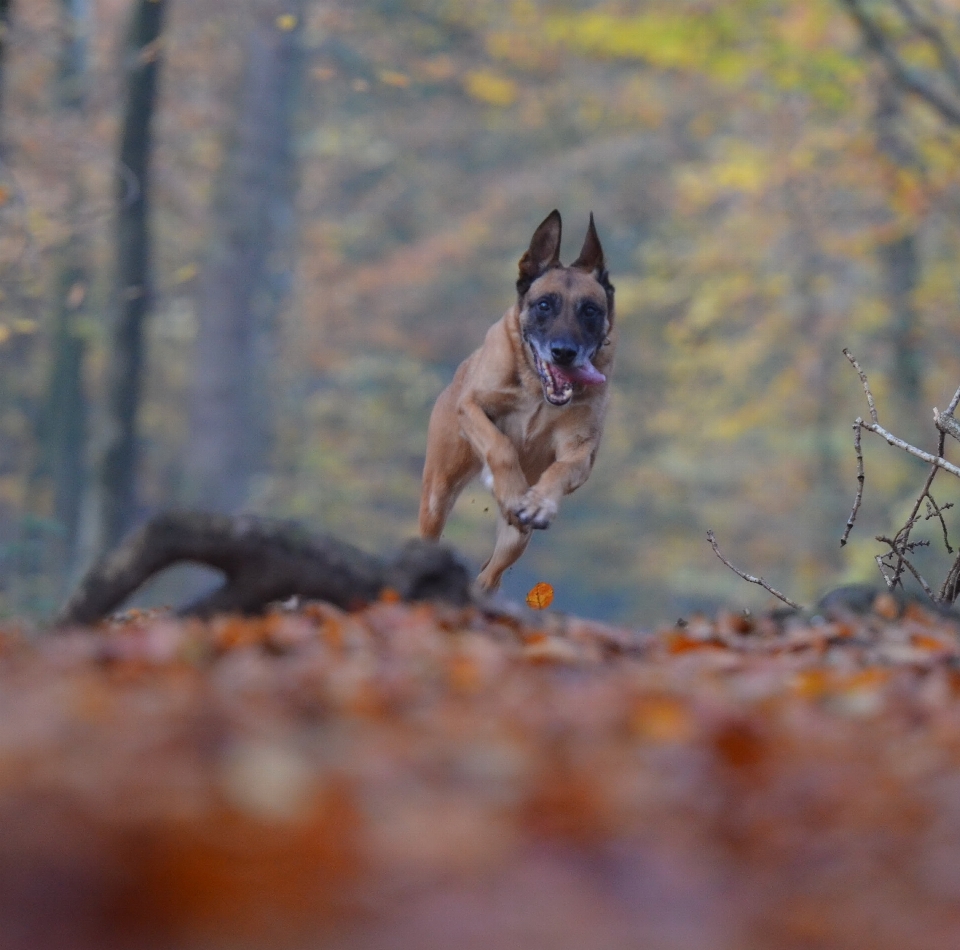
[
  {"x": 539, "y": 504},
  {"x": 499, "y": 455}
]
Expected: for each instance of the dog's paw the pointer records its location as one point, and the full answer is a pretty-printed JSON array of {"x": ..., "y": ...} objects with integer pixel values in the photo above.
[{"x": 534, "y": 511}]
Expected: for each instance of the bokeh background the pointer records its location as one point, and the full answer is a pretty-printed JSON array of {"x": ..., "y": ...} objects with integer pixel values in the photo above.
[{"x": 338, "y": 194}]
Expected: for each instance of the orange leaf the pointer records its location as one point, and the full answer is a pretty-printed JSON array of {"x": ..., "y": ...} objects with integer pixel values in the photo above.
[
  {"x": 681, "y": 643},
  {"x": 540, "y": 596},
  {"x": 923, "y": 642},
  {"x": 661, "y": 719}
]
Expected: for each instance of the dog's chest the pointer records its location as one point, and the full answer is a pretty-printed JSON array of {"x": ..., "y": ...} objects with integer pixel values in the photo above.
[{"x": 530, "y": 427}]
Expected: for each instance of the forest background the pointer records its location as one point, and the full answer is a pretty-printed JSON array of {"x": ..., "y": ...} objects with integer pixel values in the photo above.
[{"x": 338, "y": 193}]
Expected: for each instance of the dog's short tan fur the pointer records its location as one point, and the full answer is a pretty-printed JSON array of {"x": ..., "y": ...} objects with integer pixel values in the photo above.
[{"x": 496, "y": 414}]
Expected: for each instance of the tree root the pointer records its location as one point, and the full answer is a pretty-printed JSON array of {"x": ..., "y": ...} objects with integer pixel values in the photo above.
[{"x": 263, "y": 561}]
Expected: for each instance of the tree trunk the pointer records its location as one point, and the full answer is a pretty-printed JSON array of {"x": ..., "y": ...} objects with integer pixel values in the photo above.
[
  {"x": 115, "y": 488},
  {"x": 901, "y": 274},
  {"x": 242, "y": 286},
  {"x": 64, "y": 419},
  {"x": 900, "y": 267},
  {"x": 6, "y": 7},
  {"x": 819, "y": 343}
]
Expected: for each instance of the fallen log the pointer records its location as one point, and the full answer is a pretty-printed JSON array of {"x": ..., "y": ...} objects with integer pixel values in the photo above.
[{"x": 262, "y": 561}]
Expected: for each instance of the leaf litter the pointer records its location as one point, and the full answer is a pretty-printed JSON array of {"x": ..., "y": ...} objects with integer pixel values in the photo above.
[{"x": 422, "y": 776}]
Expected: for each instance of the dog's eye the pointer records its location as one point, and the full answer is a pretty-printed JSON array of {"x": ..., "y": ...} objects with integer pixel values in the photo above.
[
  {"x": 544, "y": 306},
  {"x": 589, "y": 310}
]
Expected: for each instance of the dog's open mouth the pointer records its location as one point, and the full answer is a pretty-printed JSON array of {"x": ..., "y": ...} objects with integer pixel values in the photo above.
[{"x": 558, "y": 381}]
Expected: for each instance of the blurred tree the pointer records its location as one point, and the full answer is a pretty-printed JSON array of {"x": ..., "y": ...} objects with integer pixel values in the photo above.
[
  {"x": 247, "y": 270},
  {"x": 899, "y": 259},
  {"x": 811, "y": 270},
  {"x": 63, "y": 422},
  {"x": 114, "y": 492},
  {"x": 896, "y": 30},
  {"x": 6, "y": 7}
]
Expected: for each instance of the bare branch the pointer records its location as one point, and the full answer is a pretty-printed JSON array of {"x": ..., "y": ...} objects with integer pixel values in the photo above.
[
  {"x": 749, "y": 577},
  {"x": 900, "y": 555},
  {"x": 904, "y": 533},
  {"x": 946, "y": 423},
  {"x": 861, "y": 477},
  {"x": 907, "y": 78},
  {"x": 900, "y": 544},
  {"x": 891, "y": 439},
  {"x": 952, "y": 408},
  {"x": 883, "y": 571},
  {"x": 951, "y": 584},
  {"x": 937, "y": 512},
  {"x": 866, "y": 385}
]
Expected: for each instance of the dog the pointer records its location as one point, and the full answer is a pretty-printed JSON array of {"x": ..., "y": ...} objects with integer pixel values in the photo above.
[{"x": 527, "y": 408}]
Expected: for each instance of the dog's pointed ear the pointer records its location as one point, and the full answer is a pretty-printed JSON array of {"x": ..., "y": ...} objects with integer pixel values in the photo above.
[
  {"x": 591, "y": 254},
  {"x": 591, "y": 260},
  {"x": 543, "y": 253}
]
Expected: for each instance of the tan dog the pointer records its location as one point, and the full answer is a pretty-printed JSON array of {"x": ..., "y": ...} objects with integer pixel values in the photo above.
[{"x": 527, "y": 408}]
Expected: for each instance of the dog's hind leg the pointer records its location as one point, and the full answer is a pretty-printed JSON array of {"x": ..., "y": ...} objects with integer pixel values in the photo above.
[
  {"x": 447, "y": 469},
  {"x": 511, "y": 543},
  {"x": 445, "y": 475},
  {"x": 438, "y": 498}
]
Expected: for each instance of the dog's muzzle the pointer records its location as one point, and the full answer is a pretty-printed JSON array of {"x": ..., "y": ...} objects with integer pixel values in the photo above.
[{"x": 558, "y": 381}]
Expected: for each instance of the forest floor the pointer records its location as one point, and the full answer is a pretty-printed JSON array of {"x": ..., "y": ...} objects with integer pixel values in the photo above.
[{"x": 417, "y": 776}]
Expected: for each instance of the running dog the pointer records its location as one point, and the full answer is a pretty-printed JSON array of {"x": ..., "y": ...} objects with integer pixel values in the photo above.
[{"x": 527, "y": 408}]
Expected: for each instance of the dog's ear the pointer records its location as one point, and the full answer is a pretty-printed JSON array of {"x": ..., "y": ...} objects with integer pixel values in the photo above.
[
  {"x": 543, "y": 253},
  {"x": 591, "y": 254},
  {"x": 591, "y": 260}
]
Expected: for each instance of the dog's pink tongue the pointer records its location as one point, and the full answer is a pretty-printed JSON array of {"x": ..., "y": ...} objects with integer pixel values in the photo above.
[{"x": 587, "y": 374}]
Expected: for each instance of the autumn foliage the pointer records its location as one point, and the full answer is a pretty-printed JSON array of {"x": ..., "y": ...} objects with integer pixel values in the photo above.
[
  {"x": 425, "y": 776},
  {"x": 770, "y": 199}
]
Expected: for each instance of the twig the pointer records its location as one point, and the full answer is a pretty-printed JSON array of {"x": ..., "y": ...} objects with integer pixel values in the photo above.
[
  {"x": 748, "y": 577},
  {"x": 866, "y": 386},
  {"x": 860, "y": 480},
  {"x": 900, "y": 544},
  {"x": 902, "y": 559},
  {"x": 883, "y": 573},
  {"x": 951, "y": 584},
  {"x": 937, "y": 512},
  {"x": 946, "y": 423},
  {"x": 904, "y": 533},
  {"x": 937, "y": 460},
  {"x": 952, "y": 408}
]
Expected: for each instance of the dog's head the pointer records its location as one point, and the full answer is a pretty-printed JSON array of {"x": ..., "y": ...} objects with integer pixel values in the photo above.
[{"x": 565, "y": 312}]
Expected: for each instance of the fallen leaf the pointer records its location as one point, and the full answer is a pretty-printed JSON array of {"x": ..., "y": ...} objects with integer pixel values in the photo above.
[
  {"x": 540, "y": 596},
  {"x": 661, "y": 719},
  {"x": 552, "y": 650}
]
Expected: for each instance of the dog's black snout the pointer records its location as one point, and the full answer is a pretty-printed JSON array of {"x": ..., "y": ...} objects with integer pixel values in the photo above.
[{"x": 563, "y": 354}]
